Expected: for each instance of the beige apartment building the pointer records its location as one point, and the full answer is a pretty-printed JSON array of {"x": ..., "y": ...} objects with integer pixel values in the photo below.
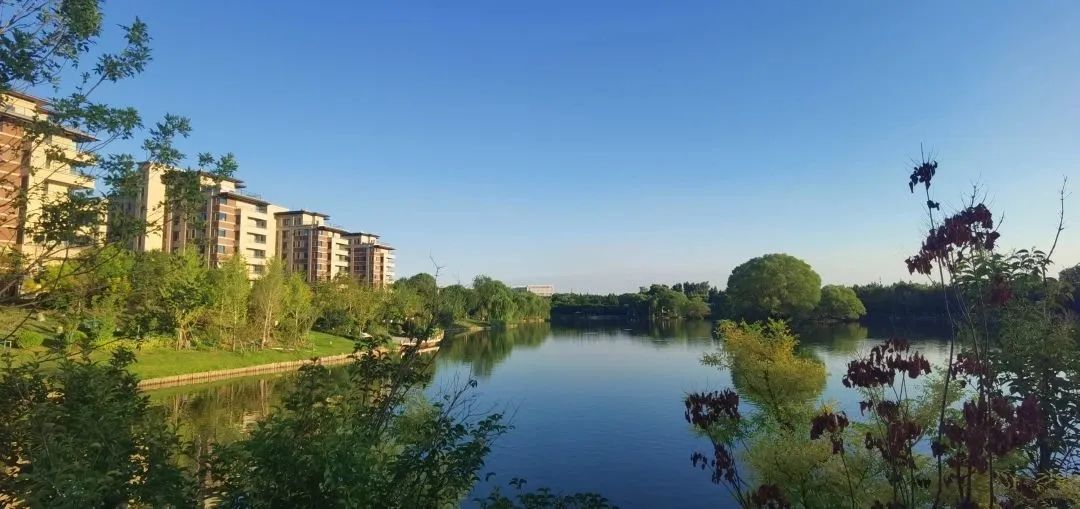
[
  {"x": 309, "y": 245},
  {"x": 239, "y": 223},
  {"x": 37, "y": 171},
  {"x": 372, "y": 261},
  {"x": 234, "y": 222}
]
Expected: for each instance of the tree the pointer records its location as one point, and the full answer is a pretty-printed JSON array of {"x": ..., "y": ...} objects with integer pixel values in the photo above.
[
  {"x": 696, "y": 308},
  {"x": 230, "y": 292},
  {"x": 1071, "y": 277},
  {"x": 839, "y": 303},
  {"x": 423, "y": 284},
  {"x": 184, "y": 294},
  {"x": 267, "y": 299},
  {"x": 298, "y": 310},
  {"x": 774, "y": 285},
  {"x": 455, "y": 301},
  {"x": 81, "y": 434}
]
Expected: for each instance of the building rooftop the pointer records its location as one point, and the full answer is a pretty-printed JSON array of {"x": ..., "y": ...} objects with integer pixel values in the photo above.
[
  {"x": 238, "y": 182},
  {"x": 332, "y": 229},
  {"x": 7, "y": 111},
  {"x": 244, "y": 197},
  {"x": 355, "y": 234},
  {"x": 302, "y": 211}
]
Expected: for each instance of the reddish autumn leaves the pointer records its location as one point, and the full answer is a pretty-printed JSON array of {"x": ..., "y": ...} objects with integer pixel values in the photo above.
[
  {"x": 707, "y": 408},
  {"x": 969, "y": 229},
  {"x": 884, "y": 363},
  {"x": 831, "y": 424}
]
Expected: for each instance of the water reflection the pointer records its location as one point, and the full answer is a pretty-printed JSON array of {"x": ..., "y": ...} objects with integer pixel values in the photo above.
[
  {"x": 219, "y": 412},
  {"x": 836, "y": 337},
  {"x": 484, "y": 350}
]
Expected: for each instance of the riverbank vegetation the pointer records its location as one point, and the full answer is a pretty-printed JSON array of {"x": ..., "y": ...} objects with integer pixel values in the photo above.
[
  {"x": 993, "y": 426},
  {"x": 177, "y": 301},
  {"x": 487, "y": 302},
  {"x": 769, "y": 286}
]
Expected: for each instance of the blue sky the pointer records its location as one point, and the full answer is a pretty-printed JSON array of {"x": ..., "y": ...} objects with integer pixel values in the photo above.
[{"x": 605, "y": 145}]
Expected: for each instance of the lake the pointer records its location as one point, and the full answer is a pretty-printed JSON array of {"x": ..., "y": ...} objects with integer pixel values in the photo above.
[{"x": 595, "y": 407}]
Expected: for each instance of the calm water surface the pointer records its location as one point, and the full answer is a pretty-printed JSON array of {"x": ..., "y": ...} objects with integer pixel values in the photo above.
[{"x": 594, "y": 407}]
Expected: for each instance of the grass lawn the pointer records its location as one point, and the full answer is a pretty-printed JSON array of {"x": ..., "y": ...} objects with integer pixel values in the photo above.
[
  {"x": 470, "y": 324},
  {"x": 164, "y": 362},
  {"x": 161, "y": 361}
]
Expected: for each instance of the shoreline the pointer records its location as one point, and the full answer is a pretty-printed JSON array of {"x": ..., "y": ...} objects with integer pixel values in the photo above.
[{"x": 200, "y": 377}]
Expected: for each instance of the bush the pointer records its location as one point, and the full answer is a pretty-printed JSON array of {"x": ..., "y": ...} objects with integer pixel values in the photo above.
[
  {"x": 839, "y": 303},
  {"x": 29, "y": 339}
]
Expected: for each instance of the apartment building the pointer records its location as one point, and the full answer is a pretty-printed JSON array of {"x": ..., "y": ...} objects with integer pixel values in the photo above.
[
  {"x": 371, "y": 261},
  {"x": 232, "y": 221},
  {"x": 36, "y": 172},
  {"x": 309, "y": 245},
  {"x": 235, "y": 222},
  {"x": 541, "y": 290}
]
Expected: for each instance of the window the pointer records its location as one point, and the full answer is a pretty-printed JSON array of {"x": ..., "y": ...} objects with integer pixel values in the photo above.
[
  {"x": 221, "y": 249},
  {"x": 222, "y": 233},
  {"x": 258, "y": 253},
  {"x": 261, "y": 208},
  {"x": 258, "y": 238},
  {"x": 257, "y": 269},
  {"x": 224, "y": 199},
  {"x": 221, "y": 216},
  {"x": 259, "y": 223},
  {"x": 176, "y": 236}
]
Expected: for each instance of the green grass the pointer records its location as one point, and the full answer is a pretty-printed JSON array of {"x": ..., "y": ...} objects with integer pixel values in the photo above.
[
  {"x": 162, "y": 361},
  {"x": 12, "y": 318},
  {"x": 469, "y": 323}
]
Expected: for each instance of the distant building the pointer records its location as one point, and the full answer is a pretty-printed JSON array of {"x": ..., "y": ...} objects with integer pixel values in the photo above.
[
  {"x": 233, "y": 222},
  {"x": 312, "y": 247},
  {"x": 541, "y": 290},
  {"x": 239, "y": 223},
  {"x": 372, "y": 260}
]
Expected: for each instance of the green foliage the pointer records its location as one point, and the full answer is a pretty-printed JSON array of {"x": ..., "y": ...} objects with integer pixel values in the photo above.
[
  {"x": 839, "y": 303},
  {"x": 81, "y": 435},
  {"x": 774, "y": 286},
  {"x": 230, "y": 293},
  {"x": 184, "y": 294},
  {"x": 29, "y": 339},
  {"x": 349, "y": 308},
  {"x": 655, "y": 302},
  {"x": 298, "y": 311},
  {"x": 368, "y": 443},
  {"x": 1070, "y": 277},
  {"x": 766, "y": 369},
  {"x": 542, "y": 498},
  {"x": 904, "y": 300},
  {"x": 1034, "y": 344},
  {"x": 267, "y": 299}
]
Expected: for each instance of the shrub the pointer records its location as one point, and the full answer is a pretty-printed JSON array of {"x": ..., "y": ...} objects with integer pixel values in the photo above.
[{"x": 29, "y": 339}]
